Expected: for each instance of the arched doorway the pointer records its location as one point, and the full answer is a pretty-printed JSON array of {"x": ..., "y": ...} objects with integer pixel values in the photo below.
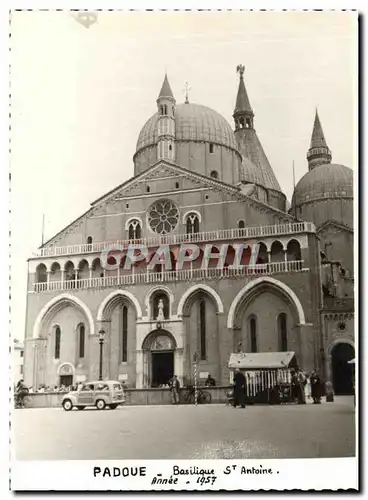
[
  {"x": 342, "y": 371},
  {"x": 159, "y": 349},
  {"x": 66, "y": 374}
]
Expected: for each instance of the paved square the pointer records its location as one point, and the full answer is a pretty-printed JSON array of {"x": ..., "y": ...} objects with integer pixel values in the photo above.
[{"x": 187, "y": 432}]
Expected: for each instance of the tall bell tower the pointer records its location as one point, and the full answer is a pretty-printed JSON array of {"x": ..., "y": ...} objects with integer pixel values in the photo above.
[{"x": 166, "y": 123}]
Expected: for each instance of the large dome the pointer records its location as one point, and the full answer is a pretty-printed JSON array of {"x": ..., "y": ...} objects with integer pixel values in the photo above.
[
  {"x": 193, "y": 122},
  {"x": 325, "y": 181}
]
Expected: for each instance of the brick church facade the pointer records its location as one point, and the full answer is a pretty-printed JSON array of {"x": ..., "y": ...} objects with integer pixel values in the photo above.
[{"x": 198, "y": 182}]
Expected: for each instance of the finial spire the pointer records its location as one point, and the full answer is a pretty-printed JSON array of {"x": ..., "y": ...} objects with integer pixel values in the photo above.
[
  {"x": 240, "y": 69},
  {"x": 318, "y": 139},
  {"x": 243, "y": 113},
  {"x": 187, "y": 87},
  {"x": 166, "y": 89},
  {"x": 318, "y": 153}
]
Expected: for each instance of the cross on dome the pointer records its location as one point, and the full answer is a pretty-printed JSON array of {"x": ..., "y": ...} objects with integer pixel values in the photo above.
[{"x": 186, "y": 89}]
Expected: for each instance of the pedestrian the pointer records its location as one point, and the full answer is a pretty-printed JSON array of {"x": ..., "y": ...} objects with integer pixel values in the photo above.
[
  {"x": 301, "y": 383},
  {"x": 317, "y": 389},
  {"x": 298, "y": 381},
  {"x": 174, "y": 385},
  {"x": 210, "y": 381},
  {"x": 239, "y": 389},
  {"x": 308, "y": 389}
]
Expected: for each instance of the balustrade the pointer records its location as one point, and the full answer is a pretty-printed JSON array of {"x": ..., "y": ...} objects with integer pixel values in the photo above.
[
  {"x": 175, "y": 239},
  {"x": 171, "y": 276}
]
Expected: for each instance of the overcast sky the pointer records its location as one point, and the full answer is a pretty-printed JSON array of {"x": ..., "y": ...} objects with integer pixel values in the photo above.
[{"x": 80, "y": 97}]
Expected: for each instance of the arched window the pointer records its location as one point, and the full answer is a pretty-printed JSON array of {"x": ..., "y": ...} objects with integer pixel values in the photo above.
[
  {"x": 165, "y": 109},
  {"x": 282, "y": 329},
  {"x": 293, "y": 250},
  {"x": 41, "y": 273},
  {"x": 82, "y": 331},
  {"x": 202, "y": 327},
  {"x": 253, "y": 334},
  {"x": 211, "y": 148},
  {"x": 134, "y": 230},
  {"x": 214, "y": 174},
  {"x": 277, "y": 252},
  {"x": 192, "y": 222},
  {"x": 262, "y": 257},
  {"x": 176, "y": 185},
  {"x": 241, "y": 224},
  {"x": 89, "y": 240},
  {"x": 148, "y": 189},
  {"x": 124, "y": 350},
  {"x": 57, "y": 342}
]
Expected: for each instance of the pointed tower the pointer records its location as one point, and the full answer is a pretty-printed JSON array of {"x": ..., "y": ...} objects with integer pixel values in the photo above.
[
  {"x": 255, "y": 168},
  {"x": 318, "y": 153},
  {"x": 243, "y": 113},
  {"x": 166, "y": 123}
]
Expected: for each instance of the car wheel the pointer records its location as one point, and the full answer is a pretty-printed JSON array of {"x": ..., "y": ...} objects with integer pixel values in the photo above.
[
  {"x": 80, "y": 407},
  {"x": 113, "y": 407},
  {"x": 67, "y": 405},
  {"x": 100, "y": 404}
]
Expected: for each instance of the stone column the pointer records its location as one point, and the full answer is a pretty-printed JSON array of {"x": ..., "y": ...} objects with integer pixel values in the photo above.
[
  {"x": 139, "y": 369},
  {"x": 179, "y": 364},
  {"x": 306, "y": 358},
  {"x": 76, "y": 270},
  {"x": 48, "y": 279},
  {"x": 178, "y": 331},
  {"x": 142, "y": 330}
]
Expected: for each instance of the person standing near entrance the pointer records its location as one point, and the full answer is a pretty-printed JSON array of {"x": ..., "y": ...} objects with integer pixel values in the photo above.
[
  {"x": 317, "y": 388},
  {"x": 174, "y": 385},
  {"x": 239, "y": 389}
]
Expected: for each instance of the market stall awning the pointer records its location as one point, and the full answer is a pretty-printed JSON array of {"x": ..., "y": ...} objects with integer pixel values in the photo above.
[{"x": 261, "y": 360}]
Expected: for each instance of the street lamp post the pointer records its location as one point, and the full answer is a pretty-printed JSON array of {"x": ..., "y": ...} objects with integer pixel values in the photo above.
[
  {"x": 101, "y": 341},
  {"x": 195, "y": 360}
]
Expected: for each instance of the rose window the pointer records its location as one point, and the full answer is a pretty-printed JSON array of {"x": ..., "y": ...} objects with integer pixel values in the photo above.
[{"x": 163, "y": 216}]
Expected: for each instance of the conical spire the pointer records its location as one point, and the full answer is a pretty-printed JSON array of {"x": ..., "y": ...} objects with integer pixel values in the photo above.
[
  {"x": 166, "y": 89},
  {"x": 318, "y": 153},
  {"x": 318, "y": 139},
  {"x": 242, "y": 101},
  {"x": 243, "y": 113}
]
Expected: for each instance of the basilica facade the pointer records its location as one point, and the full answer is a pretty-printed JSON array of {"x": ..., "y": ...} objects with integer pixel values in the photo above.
[{"x": 201, "y": 189}]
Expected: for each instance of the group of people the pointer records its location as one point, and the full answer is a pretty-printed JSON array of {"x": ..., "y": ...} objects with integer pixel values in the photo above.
[{"x": 305, "y": 387}]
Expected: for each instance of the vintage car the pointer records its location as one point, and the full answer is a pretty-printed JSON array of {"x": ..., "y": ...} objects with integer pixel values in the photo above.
[{"x": 99, "y": 394}]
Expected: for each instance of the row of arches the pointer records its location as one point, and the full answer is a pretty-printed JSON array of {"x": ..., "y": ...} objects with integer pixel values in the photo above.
[
  {"x": 256, "y": 285},
  {"x": 83, "y": 269}
]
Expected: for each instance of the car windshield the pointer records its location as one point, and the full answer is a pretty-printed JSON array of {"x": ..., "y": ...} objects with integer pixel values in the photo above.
[{"x": 117, "y": 387}]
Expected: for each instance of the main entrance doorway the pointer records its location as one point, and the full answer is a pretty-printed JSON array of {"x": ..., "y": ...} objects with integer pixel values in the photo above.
[
  {"x": 162, "y": 368},
  {"x": 158, "y": 358},
  {"x": 342, "y": 371},
  {"x": 66, "y": 380}
]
